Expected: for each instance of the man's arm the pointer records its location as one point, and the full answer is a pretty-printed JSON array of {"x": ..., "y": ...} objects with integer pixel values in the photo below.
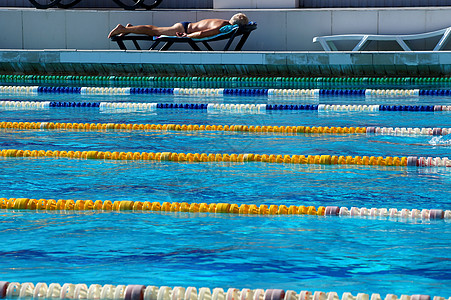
[{"x": 204, "y": 33}]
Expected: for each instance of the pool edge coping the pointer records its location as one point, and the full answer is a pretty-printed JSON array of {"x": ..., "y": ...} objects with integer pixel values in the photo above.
[{"x": 222, "y": 63}]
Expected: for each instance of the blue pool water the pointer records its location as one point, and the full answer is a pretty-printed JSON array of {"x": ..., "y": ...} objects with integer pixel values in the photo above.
[
  {"x": 205, "y": 250},
  {"x": 369, "y": 255}
]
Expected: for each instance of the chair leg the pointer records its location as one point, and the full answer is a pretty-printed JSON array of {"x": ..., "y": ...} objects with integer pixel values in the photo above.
[
  {"x": 443, "y": 41},
  {"x": 229, "y": 42},
  {"x": 242, "y": 41},
  {"x": 193, "y": 45},
  {"x": 207, "y": 46},
  {"x": 364, "y": 42},
  {"x": 326, "y": 46},
  {"x": 403, "y": 44},
  {"x": 154, "y": 45},
  {"x": 121, "y": 44},
  {"x": 166, "y": 46},
  {"x": 135, "y": 42}
]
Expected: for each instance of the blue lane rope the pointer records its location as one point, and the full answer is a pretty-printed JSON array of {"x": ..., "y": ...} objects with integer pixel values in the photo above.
[
  {"x": 74, "y": 104},
  {"x": 15, "y": 104},
  {"x": 222, "y": 91}
]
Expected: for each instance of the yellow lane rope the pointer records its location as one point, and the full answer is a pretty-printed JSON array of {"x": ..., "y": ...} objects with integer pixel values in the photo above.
[
  {"x": 233, "y": 157},
  {"x": 231, "y": 208},
  {"x": 178, "y": 127}
]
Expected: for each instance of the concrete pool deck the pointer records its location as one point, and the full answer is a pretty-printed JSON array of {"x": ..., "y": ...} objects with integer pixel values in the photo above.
[{"x": 55, "y": 42}]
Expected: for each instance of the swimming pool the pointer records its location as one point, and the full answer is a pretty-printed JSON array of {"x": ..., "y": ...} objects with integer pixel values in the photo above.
[{"x": 359, "y": 254}]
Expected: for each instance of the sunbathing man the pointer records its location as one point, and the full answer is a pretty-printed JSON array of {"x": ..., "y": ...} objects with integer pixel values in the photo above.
[{"x": 201, "y": 29}]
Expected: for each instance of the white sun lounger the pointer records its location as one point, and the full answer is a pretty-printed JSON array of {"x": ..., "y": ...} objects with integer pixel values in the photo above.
[{"x": 327, "y": 42}]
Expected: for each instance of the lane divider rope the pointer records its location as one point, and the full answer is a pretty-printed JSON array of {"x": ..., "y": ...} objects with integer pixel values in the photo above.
[
  {"x": 399, "y": 131},
  {"x": 252, "y": 209},
  {"x": 16, "y": 290},
  {"x": 216, "y": 107},
  {"x": 412, "y": 161},
  {"x": 358, "y": 80},
  {"x": 34, "y": 90}
]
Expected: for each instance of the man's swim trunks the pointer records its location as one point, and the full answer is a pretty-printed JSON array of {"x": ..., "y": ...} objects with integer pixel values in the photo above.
[{"x": 185, "y": 26}]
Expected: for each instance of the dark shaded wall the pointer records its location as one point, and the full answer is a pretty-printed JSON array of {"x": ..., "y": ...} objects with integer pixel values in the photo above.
[
  {"x": 371, "y": 3},
  {"x": 209, "y": 3},
  {"x": 110, "y": 3}
]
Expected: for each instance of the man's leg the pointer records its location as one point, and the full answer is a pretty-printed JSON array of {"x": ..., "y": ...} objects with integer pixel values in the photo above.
[{"x": 150, "y": 30}]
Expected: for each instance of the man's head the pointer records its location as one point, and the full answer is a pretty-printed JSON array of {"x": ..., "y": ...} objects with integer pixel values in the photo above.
[{"x": 239, "y": 19}]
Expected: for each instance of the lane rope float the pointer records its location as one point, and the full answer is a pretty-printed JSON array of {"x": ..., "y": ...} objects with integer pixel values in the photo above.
[
  {"x": 294, "y": 130},
  {"x": 230, "y": 208},
  {"x": 409, "y": 161},
  {"x": 348, "y": 80},
  {"x": 372, "y": 93},
  {"x": 216, "y": 107},
  {"x": 16, "y": 290}
]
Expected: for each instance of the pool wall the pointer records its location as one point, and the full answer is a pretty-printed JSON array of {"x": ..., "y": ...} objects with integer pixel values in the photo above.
[
  {"x": 278, "y": 30},
  {"x": 245, "y": 63}
]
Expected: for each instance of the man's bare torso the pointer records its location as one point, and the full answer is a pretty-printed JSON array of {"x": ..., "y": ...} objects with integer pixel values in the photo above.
[{"x": 207, "y": 24}]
